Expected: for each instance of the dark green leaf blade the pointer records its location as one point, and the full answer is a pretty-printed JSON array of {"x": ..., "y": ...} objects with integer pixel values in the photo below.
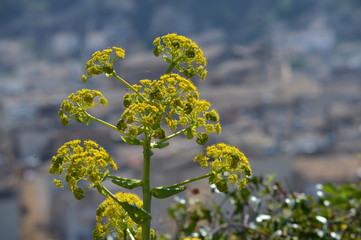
[
  {"x": 138, "y": 215},
  {"x": 160, "y": 145},
  {"x": 132, "y": 141},
  {"x": 165, "y": 192},
  {"x": 127, "y": 183}
]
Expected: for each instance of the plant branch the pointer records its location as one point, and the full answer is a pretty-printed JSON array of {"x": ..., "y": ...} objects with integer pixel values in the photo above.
[
  {"x": 193, "y": 179},
  {"x": 147, "y": 195},
  {"x": 173, "y": 135},
  {"x": 128, "y": 85},
  {"x": 170, "y": 68},
  {"x": 173, "y": 64},
  {"x": 105, "y": 123}
]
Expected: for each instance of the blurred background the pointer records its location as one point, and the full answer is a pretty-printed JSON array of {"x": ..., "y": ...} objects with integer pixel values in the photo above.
[{"x": 284, "y": 75}]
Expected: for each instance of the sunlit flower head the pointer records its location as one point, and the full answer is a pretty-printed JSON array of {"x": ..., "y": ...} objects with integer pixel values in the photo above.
[
  {"x": 76, "y": 162},
  {"x": 183, "y": 53}
]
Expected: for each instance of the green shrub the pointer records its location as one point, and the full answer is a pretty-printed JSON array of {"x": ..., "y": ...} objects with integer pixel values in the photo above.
[{"x": 265, "y": 210}]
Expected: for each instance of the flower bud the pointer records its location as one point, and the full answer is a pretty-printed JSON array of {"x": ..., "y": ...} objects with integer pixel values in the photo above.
[
  {"x": 176, "y": 44},
  {"x": 78, "y": 193},
  {"x": 64, "y": 120},
  {"x": 188, "y": 108},
  {"x": 58, "y": 183},
  {"x": 88, "y": 98},
  {"x": 84, "y": 78},
  {"x": 81, "y": 117},
  {"x": 212, "y": 116},
  {"x": 159, "y": 134},
  {"x": 121, "y": 125},
  {"x": 202, "y": 138},
  {"x": 107, "y": 68},
  {"x": 189, "y": 71},
  {"x": 222, "y": 185},
  {"x": 190, "y": 53},
  {"x": 156, "y": 94},
  {"x": 156, "y": 52},
  {"x": 126, "y": 100}
]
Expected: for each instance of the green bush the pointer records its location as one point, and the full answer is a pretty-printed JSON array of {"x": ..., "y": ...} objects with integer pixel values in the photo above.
[{"x": 265, "y": 210}]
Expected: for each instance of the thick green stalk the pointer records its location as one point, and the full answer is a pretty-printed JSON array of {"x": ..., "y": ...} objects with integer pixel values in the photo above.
[
  {"x": 147, "y": 196},
  {"x": 170, "y": 68},
  {"x": 173, "y": 64}
]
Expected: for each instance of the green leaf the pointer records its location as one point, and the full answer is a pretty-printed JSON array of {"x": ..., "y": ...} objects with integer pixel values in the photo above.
[
  {"x": 164, "y": 192},
  {"x": 101, "y": 190},
  {"x": 138, "y": 215},
  {"x": 330, "y": 189},
  {"x": 159, "y": 145},
  {"x": 132, "y": 141},
  {"x": 127, "y": 183}
]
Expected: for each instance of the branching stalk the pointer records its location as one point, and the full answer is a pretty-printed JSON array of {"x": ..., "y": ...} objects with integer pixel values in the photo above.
[
  {"x": 128, "y": 85},
  {"x": 106, "y": 123},
  {"x": 193, "y": 179}
]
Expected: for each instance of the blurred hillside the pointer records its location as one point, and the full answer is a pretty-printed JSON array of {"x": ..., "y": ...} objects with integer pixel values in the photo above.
[
  {"x": 284, "y": 75},
  {"x": 127, "y": 21}
]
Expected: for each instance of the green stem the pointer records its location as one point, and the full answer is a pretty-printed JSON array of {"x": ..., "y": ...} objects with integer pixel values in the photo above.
[
  {"x": 173, "y": 135},
  {"x": 147, "y": 196},
  {"x": 193, "y": 179},
  {"x": 173, "y": 64},
  {"x": 128, "y": 85},
  {"x": 101, "y": 121},
  {"x": 105, "y": 123},
  {"x": 170, "y": 68}
]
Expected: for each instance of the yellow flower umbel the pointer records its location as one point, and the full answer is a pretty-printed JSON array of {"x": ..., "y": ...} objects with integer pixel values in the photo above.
[
  {"x": 173, "y": 102},
  {"x": 112, "y": 218},
  {"x": 179, "y": 50},
  {"x": 228, "y": 164},
  {"x": 75, "y": 106},
  {"x": 102, "y": 62},
  {"x": 80, "y": 163}
]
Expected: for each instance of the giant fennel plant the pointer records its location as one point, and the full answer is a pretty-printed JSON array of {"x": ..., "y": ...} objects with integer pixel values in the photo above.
[{"x": 155, "y": 112}]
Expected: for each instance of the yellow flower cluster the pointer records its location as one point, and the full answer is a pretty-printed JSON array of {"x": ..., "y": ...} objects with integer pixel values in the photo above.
[
  {"x": 173, "y": 101},
  {"x": 87, "y": 162},
  {"x": 177, "y": 49},
  {"x": 111, "y": 217},
  {"x": 76, "y": 105},
  {"x": 102, "y": 62},
  {"x": 228, "y": 164}
]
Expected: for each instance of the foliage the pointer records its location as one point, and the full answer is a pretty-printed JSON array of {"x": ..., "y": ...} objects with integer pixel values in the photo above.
[
  {"x": 155, "y": 112},
  {"x": 265, "y": 210}
]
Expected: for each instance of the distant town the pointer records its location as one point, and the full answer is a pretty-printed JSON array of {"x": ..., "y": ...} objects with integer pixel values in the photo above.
[{"x": 291, "y": 103}]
